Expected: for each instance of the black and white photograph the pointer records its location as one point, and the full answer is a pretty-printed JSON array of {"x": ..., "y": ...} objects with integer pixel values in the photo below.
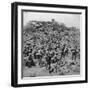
[{"x": 49, "y": 44}]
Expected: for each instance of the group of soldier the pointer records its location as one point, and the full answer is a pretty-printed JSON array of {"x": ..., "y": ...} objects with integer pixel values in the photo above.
[{"x": 48, "y": 57}]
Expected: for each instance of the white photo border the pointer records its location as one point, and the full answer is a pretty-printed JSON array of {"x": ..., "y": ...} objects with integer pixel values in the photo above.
[{"x": 33, "y": 80}]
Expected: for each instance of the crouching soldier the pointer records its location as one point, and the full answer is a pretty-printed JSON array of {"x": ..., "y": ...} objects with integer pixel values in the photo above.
[{"x": 30, "y": 62}]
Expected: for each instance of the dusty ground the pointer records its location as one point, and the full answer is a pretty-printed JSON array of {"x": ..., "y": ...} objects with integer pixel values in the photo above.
[{"x": 67, "y": 69}]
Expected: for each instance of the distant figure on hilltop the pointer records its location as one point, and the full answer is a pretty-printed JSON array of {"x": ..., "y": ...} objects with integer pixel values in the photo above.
[{"x": 53, "y": 21}]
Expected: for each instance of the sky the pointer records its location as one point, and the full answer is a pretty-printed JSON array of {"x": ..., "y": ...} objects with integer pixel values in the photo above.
[{"x": 68, "y": 19}]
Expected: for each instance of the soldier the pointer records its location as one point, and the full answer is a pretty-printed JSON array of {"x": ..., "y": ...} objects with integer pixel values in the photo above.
[
  {"x": 30, "y": 62},
  {"x": 63, "y": 52},
  {"x": 74, "y": 54},
  {"x": 48, "y": 62},
  {"x": 66, "y": 51}
]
